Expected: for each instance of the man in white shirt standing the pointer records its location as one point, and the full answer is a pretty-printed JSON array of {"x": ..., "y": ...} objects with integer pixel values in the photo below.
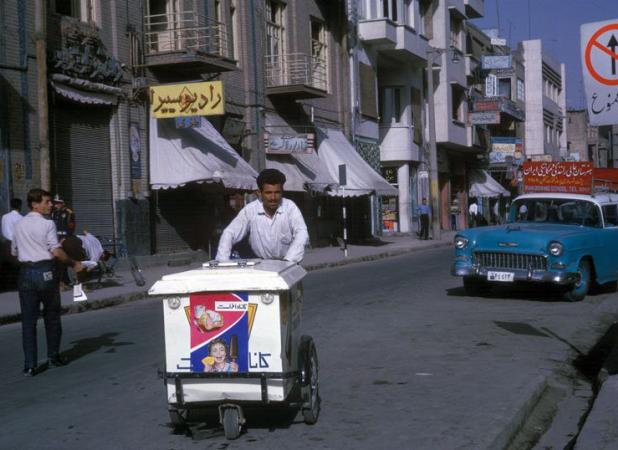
[
  {"x": 35, "y": 244},
  {"x": 10, "y": 219},
  {"x": 8, "y": 264},
  {"x": 275, "y": 225},
  {"x": 473, "y": 210}
]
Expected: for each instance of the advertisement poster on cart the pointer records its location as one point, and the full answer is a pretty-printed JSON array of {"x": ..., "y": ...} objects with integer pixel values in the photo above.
[{"x": 220, "y": 326}]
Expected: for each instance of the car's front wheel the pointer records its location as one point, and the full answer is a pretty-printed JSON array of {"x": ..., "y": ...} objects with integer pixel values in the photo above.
[
  {"x": 473, "y": 286},
  {"x": 580, "y": 289}
]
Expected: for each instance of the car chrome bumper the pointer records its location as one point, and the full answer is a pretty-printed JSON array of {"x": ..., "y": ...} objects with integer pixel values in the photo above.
[{"x": 537, "y": 276}]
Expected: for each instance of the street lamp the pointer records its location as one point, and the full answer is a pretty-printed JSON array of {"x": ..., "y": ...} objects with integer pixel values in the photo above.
[{"x": 434, "y": 191}]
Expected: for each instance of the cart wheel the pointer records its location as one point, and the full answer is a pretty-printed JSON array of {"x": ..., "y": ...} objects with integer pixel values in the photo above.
[
  {"x": 311, "y": 381},
  {"x": 231, "y": 423},
  {"x": 176, "y": 418}
]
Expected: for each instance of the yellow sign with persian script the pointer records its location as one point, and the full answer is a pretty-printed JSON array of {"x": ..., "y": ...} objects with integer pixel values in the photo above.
[{"x": 187, "y": 99}]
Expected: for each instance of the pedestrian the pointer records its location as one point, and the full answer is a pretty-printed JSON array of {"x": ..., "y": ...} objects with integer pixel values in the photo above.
[
  {"x": 473, "y": 211},
  {"x": 35, "y": 244},
  {"x": 63, "y": 217},
  {"x": 454, "y": 210},
  {"x": 8, "y": 263},
  {"x": 423, "y": 211},
  {"x": 275, "y": 225},
  {"x": 10, "y": 219}
]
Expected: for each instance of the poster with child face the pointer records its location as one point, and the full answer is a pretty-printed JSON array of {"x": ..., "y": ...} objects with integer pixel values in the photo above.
[{"x": 219, "y": 331}]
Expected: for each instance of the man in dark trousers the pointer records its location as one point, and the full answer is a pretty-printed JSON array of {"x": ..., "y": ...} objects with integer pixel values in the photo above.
[
  {"x": 35, "y": 244},
  {"x": 63, "y": 217},
  {"x": 423, "y": 210}
]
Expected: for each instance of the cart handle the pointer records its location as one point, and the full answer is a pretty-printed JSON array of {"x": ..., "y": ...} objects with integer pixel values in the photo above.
[{"x": 213, "y": 264}]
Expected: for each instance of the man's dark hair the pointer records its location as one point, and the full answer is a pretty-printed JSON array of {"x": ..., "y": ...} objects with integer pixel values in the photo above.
[
  {"x": 36, "y": 196},
  {"x": 16, "y": 203},
  {"x": 270, "y": 176}
]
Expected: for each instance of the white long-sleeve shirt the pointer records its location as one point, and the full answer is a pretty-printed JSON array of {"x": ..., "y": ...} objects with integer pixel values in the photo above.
[
  {"x": 282, "y": 236},
  {"x": 8, "y": 224}
]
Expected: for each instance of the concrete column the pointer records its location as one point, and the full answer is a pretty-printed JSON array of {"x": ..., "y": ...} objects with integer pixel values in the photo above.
[{"x": 403, "y": 180}]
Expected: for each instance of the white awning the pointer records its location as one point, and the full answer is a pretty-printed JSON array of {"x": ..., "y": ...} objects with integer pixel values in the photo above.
[
  {"x": 303, "y": 172},
  {"x": 200, "y": 154},
  {"x": 483, "y": 185},
  {"x": 335, "y": 150}
]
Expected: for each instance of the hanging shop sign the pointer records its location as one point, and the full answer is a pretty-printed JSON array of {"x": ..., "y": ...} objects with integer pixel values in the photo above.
[
  {"x": 484, "y": 118},
  {"x": 288, "y": 144},
  {"x": 568, "y": 177},
  {"x": 505, "y": 150},
  {"x": 496, "y": 62},
  {"x": 187, "y": 99}
]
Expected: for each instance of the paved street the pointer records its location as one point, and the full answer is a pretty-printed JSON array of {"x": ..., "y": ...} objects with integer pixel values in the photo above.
[{"x": 407, "y": 361}]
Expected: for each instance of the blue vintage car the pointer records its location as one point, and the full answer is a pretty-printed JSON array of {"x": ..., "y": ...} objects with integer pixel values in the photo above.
[{"x": 566, "y": 240}]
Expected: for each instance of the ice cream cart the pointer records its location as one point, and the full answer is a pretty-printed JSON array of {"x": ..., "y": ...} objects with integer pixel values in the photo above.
[{"x": 232, "y": 341}]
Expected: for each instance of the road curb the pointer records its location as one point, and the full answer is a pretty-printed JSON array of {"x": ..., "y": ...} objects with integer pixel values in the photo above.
[
  {"x": 515, "y": 424},
  {"x": 377, "y": 256},
  {"x": 91, "y": 305}
]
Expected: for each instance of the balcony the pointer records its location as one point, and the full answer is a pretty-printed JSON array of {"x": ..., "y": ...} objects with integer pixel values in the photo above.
[
  {"x": 382, "y": 32},
  {"x": 397, "y": 143},
  {"x": 474, "y": 8},
  {"x": 186, "y": 42},
  {"x": 296, "y": 75}
]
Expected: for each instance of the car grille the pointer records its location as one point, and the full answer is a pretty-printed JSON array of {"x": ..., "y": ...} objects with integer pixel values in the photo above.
[{"x": 503, "y": 260}]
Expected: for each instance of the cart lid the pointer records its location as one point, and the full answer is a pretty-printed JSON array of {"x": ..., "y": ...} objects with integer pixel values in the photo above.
[{"x": 242, "y": 275}]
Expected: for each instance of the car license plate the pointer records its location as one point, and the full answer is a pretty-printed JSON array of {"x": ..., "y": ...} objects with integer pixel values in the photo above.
[{"x": 500, "y": 276}]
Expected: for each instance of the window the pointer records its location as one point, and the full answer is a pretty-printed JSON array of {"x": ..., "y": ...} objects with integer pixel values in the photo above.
[
  {"x": 390, "y": 105},
  {"x": 521, "y": 90},
  {"x": 235, "y": 54},
  {"x": 368, "y": 80},
  {"x": 417, "y": 108},
  {"x": 84, "y": 10},
  {"x": 610, "y": 214},
  {"x": 426, "y": 22},
  {"x": 504, "y": 87},
  {"x": 457, "y": 98},
  {"x": 274, "y": 30},
  {"x": 319, "y": 55},
  {"x": 456, "y": 32}
]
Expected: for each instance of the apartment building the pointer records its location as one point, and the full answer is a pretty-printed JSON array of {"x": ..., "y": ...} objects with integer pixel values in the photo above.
[
  {"x": 545, "y": 93},
  {"x": 86, "y": 124}
]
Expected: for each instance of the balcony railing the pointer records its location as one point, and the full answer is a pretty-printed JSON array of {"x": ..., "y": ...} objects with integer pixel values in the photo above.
[
  {"x": 185, "y": 32},
  {"x": 296, "y": 69}
]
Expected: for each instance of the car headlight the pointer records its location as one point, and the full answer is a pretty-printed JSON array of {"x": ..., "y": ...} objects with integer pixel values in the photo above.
[
  {"x": 460, "y": 242},
  {"x": 555, "y": 248}
]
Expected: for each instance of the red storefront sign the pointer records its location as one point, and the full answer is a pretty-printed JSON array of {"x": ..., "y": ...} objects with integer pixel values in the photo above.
[{"x": 566, "y": 177}]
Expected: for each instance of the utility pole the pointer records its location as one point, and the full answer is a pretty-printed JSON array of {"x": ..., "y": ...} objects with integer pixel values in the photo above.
[
  {"x": 40, "y": 34},
  {"x": 434, "y": 190}
]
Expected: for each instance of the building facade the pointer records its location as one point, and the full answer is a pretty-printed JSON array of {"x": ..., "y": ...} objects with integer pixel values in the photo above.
[{"x": 545, "y": 93}]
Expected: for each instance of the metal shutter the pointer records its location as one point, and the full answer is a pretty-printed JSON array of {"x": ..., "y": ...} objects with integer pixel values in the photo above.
[
  {"x": 81, "y": 167},
  {"x": 185, "y": 218}
]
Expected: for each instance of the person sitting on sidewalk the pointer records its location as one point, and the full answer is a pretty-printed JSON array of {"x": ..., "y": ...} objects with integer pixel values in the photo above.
[
  {"x": 275, "y": 225},
  {"x": 87, "y": 249}
]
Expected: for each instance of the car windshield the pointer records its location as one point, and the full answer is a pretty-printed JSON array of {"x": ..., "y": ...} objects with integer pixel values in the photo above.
[{"x": 552, "y": 210}]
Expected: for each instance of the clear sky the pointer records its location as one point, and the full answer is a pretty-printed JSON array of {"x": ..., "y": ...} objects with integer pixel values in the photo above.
[{"x": 556, "y": 23}]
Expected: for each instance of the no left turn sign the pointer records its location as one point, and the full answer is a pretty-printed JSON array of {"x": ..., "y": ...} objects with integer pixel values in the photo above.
[{"x": 599, "y": 45}]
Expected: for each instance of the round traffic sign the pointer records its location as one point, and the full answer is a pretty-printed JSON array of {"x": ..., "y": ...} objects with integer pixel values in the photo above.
[{"x": 593, "y": 42}]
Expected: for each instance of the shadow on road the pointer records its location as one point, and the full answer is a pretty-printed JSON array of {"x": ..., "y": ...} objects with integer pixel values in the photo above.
[
  {"x": 204, "y": 425},
  {"x": 86, "y": 346},
  {"x": 512, "y": 292}
]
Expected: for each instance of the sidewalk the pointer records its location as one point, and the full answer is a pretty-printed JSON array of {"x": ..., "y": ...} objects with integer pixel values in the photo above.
[{"x": 121, "y": 288}]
